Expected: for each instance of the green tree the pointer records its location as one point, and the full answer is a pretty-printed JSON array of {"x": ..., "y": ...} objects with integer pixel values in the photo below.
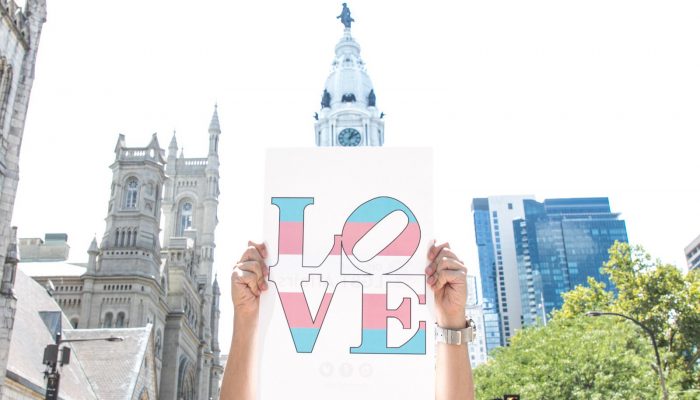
[
  {"x": 571, "y": 358},
  {"x": 578, "y": 357},
  {"x": 658, "y": 295}
]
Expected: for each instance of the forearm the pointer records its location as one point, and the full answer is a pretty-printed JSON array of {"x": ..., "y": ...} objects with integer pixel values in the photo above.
[
  {"x": 239, "y": 382},
  {"x": 453, "y": 371}
]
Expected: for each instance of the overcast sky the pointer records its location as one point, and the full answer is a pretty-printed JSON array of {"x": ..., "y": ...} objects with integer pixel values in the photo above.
[{"x": 550, "y": 98}]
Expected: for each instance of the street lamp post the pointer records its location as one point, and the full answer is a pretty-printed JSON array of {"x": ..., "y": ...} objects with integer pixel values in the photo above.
[
  {"x": 51, "y": 360},
  {"x": 649, "y": 332}
]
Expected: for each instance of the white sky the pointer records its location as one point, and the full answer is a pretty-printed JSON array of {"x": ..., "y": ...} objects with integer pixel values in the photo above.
[{"x": 552, "y": 98}]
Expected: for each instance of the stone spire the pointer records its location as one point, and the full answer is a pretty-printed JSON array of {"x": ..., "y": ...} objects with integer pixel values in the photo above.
[
  {"x": 93, "y": 246},
  {"x": 93, "y": 252},
  {"x": 172, "y": 148},
  {"x": 172, "y": 155},
  {"x": 214, "y": 132},
  {"x": 214, "y": 124}
]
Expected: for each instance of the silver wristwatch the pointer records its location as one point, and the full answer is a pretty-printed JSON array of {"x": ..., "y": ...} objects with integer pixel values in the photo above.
[{"x": 456, "y": 336}]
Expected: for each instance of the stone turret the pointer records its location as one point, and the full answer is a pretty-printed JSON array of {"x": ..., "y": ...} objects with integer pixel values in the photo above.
[
  {"x": 172, "y": 156},
  {"x": 190, "y": 204},
  {"x": 133, "y": 216},
  {"x": 93, "y": 252}
]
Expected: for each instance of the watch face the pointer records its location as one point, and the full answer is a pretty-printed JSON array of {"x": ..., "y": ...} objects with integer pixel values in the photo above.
[{"x": 349, "y": 137}]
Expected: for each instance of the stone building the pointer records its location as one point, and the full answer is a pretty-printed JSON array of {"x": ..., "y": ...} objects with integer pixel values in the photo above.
[
  {"x": 97, "y": 369},
  {"x": 131, "y": 280},
  {"x": 20, "y": 30}
]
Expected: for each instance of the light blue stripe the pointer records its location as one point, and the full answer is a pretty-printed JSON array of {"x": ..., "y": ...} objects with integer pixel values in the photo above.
[
  {"x": 374, "y": 342},
  {"x": 304, "y": 339},
  {"x": 376, "y": 209},
  {"x": 292, "y": 208}
]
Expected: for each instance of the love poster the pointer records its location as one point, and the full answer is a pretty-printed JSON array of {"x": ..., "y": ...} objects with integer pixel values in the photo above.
[{"x": 349, "y": 314}]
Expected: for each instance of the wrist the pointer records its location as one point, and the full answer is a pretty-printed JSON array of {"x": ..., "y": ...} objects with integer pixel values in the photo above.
[
  {"x": 245, "y": 322},
  {"x": 456, "y": 321}
]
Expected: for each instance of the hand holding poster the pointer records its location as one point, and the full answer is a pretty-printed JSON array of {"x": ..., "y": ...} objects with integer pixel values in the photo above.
[{"x": 348, "y": 313}]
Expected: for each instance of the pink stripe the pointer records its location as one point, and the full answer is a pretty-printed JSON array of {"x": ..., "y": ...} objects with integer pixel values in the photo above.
[
  {"x": 297, "y": 310},
  {"x": 375, "y": 313},
  {"x": 404, "y": 245},
  {"x": 335, "y": 251},
  {"x": 291, "y": 239},
  {"x": 421, "y": 299}
]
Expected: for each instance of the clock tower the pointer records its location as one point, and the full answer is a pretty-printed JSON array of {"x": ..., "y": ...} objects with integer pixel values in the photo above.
[{"x": 349, "y": 114}]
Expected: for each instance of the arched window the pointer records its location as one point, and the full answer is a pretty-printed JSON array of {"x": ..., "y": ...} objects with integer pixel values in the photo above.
[
  {"x": 132, "y": 193},
  {"x": 185, "y": 218},
  {"x": 133, "y": 240},
  {"x": 74, "y": 322},
  {"x": 185, "y": 381},
  {"x": 108, "y": 320},
  {"x": 128, "y": 237},
  {"x": 116, "y": 238},
  {"x": 120, "y": 320}
]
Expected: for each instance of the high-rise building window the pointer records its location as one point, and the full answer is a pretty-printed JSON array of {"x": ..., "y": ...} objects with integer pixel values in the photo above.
[
  {"x": 132, "y": 193},
  {"x": 185, "y": 219}
]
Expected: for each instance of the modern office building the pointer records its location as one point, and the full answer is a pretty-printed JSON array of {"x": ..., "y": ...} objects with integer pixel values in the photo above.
[
  {"x": 500, "y": 289},
  {"x": 560, "y": 243},
  {"x": 474, "y": 310},
  {"x": 692, "y": 254},
  {"x": 531, "y": 252}
]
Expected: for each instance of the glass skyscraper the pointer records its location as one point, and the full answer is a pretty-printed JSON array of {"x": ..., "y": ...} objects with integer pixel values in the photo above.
[
  {"x": 489, "y": 275},
  {"x": 557, "y": 245}
]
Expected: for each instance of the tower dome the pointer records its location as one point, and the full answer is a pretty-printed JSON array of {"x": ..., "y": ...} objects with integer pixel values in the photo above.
[
  {"x": 348, "y": 115},
  {"x": 348, "y": 78}
]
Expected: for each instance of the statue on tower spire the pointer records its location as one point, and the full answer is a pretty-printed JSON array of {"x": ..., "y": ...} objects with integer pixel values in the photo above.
[{"x": 345, "y": 17}]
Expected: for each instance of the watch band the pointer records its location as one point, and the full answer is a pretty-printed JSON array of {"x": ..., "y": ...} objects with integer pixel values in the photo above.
[{"x": 456, "y": 336}]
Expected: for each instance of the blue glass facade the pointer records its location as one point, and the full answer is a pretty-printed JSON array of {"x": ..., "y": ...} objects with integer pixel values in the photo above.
[
  {"x": 487, "y": 267},
  {"x": 559, "y": 244}
]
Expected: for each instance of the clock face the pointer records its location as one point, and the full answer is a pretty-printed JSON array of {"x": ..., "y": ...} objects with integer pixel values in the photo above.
[{"x": 349, "y": 137}]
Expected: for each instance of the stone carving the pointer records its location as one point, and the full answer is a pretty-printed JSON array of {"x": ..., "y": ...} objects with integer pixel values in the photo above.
[
  {"x": 371, "y": 99},
  {"x": 326, "y": 99}
]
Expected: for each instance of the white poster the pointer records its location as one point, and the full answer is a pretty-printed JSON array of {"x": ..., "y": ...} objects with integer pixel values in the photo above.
[{"x": 349, "y": 314}]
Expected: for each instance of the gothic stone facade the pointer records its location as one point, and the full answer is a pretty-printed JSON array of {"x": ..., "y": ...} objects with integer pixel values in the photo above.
[
  {"x": 132, "y": 281},
  {"x": 20, "y": 31}
]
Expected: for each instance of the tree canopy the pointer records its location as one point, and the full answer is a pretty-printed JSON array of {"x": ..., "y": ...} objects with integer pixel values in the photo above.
[{"x": 579, "y": 357}]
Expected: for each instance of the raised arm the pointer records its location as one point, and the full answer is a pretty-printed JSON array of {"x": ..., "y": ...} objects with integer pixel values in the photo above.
[
  {"x": 447, "y": 276},
  {"x": 247, "y": 282}
]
